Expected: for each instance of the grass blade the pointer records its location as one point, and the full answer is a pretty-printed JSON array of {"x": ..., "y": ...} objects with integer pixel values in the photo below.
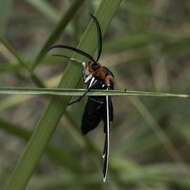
[{"x": 79, "y": 92}]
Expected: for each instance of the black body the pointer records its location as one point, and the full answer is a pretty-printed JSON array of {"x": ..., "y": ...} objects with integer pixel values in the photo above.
[{"x": 95, "y": 109}]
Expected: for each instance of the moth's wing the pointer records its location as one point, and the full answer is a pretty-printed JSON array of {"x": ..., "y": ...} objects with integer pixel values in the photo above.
[
  {"x": 106, "y": 156},
  {"x": 109, "y": 117},
  {"x": 111, "y": 114},
  {"x": 92, "y": 114},
  {"x": 104, "y": 118}
]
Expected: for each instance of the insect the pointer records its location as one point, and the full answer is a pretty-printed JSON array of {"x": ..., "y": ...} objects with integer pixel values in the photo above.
[{"x": 98, "y": 107}]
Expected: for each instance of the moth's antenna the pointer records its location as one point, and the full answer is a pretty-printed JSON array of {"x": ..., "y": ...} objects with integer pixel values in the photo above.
[
  {"x": 99, "y": 32},
  {"x": 75, "y": 50},
  {"x": 70, "y": 58}
]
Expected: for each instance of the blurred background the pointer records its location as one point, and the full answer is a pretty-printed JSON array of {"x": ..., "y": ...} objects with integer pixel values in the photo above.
[{"x": 147, "y": 48}]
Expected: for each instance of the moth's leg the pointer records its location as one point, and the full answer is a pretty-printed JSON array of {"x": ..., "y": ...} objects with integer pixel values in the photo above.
[
  {"x": 86, "y": 78},
  {"x": 92, "y": 84},
  {"x": 84, "y": 71},
  {"x": 79, "y": 99}
]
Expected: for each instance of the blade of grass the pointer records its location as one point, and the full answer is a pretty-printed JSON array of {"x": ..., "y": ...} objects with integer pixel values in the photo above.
[
  {"x": 66, "y": 18},
  {"x": 79, "y": 92},
  {"x": 57, "y": 106}
]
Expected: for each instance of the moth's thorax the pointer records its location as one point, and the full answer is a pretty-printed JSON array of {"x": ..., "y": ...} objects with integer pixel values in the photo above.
[{"x": 100, "y": 72}]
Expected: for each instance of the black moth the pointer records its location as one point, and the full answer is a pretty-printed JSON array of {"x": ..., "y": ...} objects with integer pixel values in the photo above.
[{"x": 98, "y": 107}]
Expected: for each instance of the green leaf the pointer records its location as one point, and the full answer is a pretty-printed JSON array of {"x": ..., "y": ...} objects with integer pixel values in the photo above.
[{"x": 79, "y": 92}]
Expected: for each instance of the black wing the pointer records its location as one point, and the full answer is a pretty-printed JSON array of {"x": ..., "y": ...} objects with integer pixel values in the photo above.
[
  {"x": 105, "y": 123},
  {"x": 107, "y": 118},
  {"x": 104, "y": 116},
  {"x": 94, "y": 110}
]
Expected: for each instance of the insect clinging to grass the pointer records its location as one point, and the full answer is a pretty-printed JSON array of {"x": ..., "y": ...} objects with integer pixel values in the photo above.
[{"x": 98, "y": 107}]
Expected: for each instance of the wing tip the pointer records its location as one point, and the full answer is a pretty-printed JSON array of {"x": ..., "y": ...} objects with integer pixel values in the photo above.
[{"x": 104, "y": 179}]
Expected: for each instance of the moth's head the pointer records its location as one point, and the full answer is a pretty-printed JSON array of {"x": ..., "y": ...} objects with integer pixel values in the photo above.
[{"x": 93, "y": 67}]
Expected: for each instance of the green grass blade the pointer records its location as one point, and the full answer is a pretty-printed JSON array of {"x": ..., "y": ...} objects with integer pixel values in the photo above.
[
  {"x": 79, "y": 92},
  {"x": 58, "y": 30},
  {"x": 57, "y": 106}
]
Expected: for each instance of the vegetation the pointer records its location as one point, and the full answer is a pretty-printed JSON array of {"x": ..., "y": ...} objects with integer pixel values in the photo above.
[{"x": 146, "y": 45}]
